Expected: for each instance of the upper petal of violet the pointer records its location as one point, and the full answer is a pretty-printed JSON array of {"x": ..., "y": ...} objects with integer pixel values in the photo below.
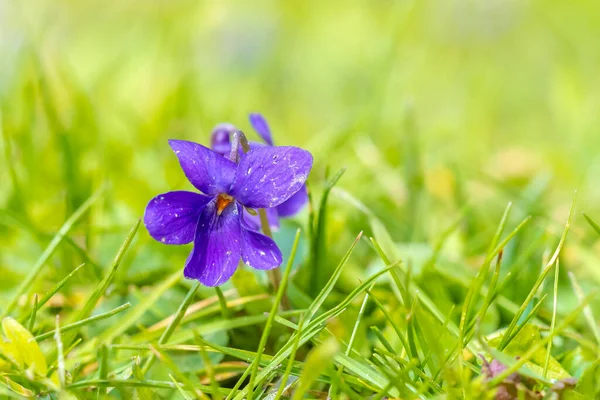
[
  {"x": 208, "y": 171},
  {"x": 268, "y": 176},
  {"x": 171, "y": 217},
  {"x": 217, "y": 246},
  {"x": 259, "y": 123}
]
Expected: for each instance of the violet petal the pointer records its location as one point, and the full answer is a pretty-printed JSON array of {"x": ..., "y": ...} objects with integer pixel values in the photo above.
[
  {"x": 171, "y": 217},
  {"x": 260, "y": 251},
  {"x": 268, "y": 176},
  {"x": 259, "y": 123},
  {"x": 206, "y": 170},
  {"x": 217, "y": 246},
  {"x": 221, "y": 139},
  {"x": 253, "y": 221},
  {"x": 294, "y": 204}
]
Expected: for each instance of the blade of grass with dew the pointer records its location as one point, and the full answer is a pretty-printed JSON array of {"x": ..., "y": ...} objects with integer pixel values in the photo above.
[
  {"x": 166, "y": 335},
  {"x": 267, "y": 329},
  {"x": 49, "y": 251}
]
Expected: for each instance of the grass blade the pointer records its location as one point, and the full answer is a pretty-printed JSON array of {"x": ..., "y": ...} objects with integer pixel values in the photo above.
[
  {"x": 587, "y": 311},
  {"x": 551, "y": 263},
  {"x": 166, "y": 335},
  {"x": 553, "y": 322},
  {"x": 318, "y": 239},
  {"x": 267, "y": 330},
  {"x": 83, "y": 322},
  {"x": 136, "y": 312},
  {"x": 316, "y": 304},
  {"x": 49, "y": 251},
  {"x": 98, "y": 292},
  {"x": 54, "y": 290},
  {"x": 61, "y": 355},
  {"x": 284, "y": 379}
]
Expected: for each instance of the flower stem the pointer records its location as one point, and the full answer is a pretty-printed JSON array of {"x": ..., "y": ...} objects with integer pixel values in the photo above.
[{"x": 274, "y": 274}]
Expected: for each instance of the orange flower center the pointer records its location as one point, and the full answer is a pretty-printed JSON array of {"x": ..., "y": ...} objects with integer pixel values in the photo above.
[{"x": 222, "y": 202}]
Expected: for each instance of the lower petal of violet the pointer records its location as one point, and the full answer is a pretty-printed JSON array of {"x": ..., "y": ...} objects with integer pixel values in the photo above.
[
  {"x": 217, "y": 246},
  {"x": 171, "y": 217},
  {"x": 260, "y": 251},
  {"x": 294, "y": 204}
]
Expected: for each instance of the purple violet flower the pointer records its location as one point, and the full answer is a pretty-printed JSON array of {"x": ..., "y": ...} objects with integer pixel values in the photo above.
[
  {"x": 221, "y": 143},
  {"x": 264, "y": 178}
]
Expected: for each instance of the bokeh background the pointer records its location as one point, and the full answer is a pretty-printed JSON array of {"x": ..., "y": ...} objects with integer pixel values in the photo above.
[{"x": 440, "y": 111}]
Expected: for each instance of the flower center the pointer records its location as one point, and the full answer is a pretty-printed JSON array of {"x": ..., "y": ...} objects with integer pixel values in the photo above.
[{"x": 222, "y": 202}]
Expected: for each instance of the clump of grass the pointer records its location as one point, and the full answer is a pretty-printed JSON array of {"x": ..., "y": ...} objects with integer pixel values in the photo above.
[{"x": 405, "y": 346}]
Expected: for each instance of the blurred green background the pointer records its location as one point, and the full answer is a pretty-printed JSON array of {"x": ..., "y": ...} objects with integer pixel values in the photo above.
[{"x": 438, "y": 109}]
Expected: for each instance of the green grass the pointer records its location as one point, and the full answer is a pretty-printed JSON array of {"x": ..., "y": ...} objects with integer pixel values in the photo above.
[{"x": 448, "y": 137}]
